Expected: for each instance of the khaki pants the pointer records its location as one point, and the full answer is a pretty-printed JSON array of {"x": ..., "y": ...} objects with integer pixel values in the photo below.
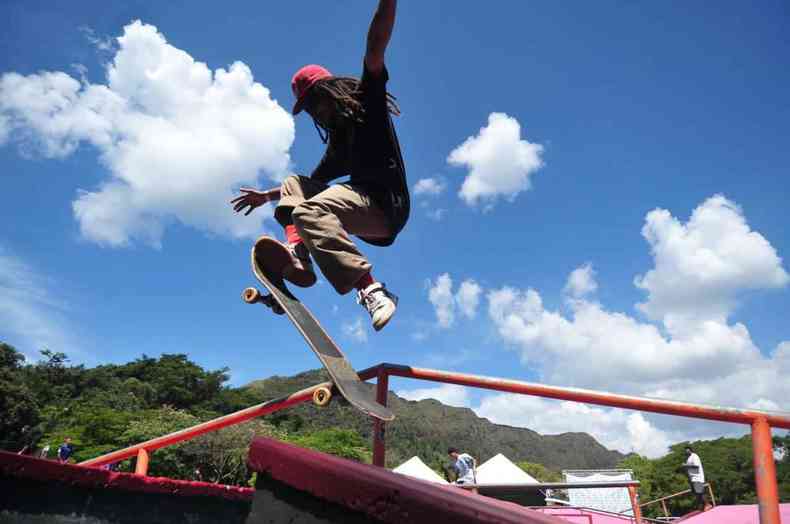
[{"x": 325, "y": 216}]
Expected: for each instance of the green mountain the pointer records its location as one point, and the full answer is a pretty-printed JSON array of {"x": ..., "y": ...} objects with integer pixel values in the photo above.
[{"x": 427, "y": 427}]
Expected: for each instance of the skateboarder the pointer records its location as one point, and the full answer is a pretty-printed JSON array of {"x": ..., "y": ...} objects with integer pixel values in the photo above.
[{"x": 353, "y": 118}]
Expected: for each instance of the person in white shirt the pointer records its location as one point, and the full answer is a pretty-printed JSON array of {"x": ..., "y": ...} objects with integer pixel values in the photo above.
[
  {"x": 696, "y": 476},
  {"x": 464, "y": 466}
]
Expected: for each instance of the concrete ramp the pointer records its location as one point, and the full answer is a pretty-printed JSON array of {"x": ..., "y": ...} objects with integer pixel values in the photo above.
[{"x": 302, "y": 486}]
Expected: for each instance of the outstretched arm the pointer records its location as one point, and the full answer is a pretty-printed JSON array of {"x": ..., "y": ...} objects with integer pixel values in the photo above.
[
  {"x": 252, "y": 198},
  {"x": 379, "y": 35}
]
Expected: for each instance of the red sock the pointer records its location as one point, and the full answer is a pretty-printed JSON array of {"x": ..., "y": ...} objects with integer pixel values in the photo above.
[
  {"x": 292, "y": 235},
  {"x": 365, "y": 281}
]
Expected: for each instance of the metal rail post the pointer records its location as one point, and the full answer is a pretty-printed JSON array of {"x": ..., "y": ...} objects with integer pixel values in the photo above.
[
  {"x": 635, "y": 504},
  {"x": 379, "y": 428},
  {"x": 141, "y": 468},
  {"x": 765, "y": 472}
]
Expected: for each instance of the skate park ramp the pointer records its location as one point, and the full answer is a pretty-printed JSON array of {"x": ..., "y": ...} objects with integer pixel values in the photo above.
[
  {"x": 294, "y": 485},
  {"x": 737, "y": 514},
  {"x": 38, "y": 491}
]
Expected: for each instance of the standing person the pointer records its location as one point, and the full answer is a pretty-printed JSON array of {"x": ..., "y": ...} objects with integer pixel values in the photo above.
[
  {"x": 65, "y": 451},
  {"x": 696, "y": 476},
  {"x": 44, "y": 452},
  {"x": 465, "y": 466},
  {"x": 353, "y": 118}
]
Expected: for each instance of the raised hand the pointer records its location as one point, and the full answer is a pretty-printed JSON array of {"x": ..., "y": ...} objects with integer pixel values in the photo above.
[{"x": 252, "y": 198}]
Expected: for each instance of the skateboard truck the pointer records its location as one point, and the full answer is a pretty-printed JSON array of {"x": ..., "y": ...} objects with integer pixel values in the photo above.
[{"x": 252, "y": 296}]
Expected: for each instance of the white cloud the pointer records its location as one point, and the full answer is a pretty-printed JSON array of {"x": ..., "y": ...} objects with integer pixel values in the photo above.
[
  {"x": 697, "y": 354},
  {"x": 614, "y": 428},
  {"x": 441, "y": 296},
  {"x": 449, "y": 394},
  {"x": 468, "y": 297},
  {"x": 5, "y": 128},
  {"x": 176, "y": 138},
  {"x": 32, "y": 316},
  {"x": 102, "y": 44},
  {"x": 446, "y": 304},
  {"x": 585, "y": 345},
  {"x": 429, "y": 186},
  {"x": 702, "y": 266},
  {"x": 500, "y": 163},
  {"x": 581, "y": 282},
  {"x": 355, "y": 330}
]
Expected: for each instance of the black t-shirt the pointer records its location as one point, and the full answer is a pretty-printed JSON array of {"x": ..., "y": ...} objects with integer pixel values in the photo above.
[{"x": 369, "y": 151}]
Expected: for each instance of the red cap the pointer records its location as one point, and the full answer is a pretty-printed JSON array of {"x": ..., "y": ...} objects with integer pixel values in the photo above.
[{"x": 303, "y": 80}]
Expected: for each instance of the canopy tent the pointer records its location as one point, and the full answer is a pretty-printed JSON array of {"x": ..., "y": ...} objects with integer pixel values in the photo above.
[
  {"x": 414, "y": 467},
  {"x": 500, "y": 470}
]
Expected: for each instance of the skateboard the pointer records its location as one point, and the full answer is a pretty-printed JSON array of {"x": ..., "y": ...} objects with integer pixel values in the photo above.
[{"x": 267, "y": 259}]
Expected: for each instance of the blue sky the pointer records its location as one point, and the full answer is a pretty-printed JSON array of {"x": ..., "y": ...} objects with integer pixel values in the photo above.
[{"x": 644, "y": 146}]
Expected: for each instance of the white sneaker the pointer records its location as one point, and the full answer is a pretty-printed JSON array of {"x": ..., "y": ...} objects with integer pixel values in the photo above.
[{"x": 379, "y": 303}]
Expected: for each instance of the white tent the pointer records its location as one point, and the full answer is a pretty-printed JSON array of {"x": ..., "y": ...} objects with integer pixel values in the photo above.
[
  {"x": 414, "y": 467},
  {"x": 499, "y": 470}
]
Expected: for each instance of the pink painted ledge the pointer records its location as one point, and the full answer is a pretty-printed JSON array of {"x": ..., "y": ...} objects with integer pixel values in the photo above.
[{"x": 23, "y": 466}]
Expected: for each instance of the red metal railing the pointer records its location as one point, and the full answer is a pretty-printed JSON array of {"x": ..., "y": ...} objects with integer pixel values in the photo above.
[
  {"x": 142, "y": 450},
  {"x": 760, "y": 422}
]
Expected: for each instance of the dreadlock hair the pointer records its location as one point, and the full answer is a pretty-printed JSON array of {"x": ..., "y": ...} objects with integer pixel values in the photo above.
[{"x": 344, "y": 92}]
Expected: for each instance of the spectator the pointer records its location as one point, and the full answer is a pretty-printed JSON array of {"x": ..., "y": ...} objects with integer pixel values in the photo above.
[
  {"x": 44, "y": 452},
  {"x": 65, "y": 451},
  {"x": 696, "y": 476},
  {"x": 464, "y": 466}
]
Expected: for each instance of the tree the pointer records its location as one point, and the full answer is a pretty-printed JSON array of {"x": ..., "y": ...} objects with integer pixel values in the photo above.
[
  {"x": 171, "y": 461},
  {"x": 178, "y": 382},
  {"x": 20, "y": 412},
  {"x": 782, "y": 452},
  {"x": 344, "y": 443},
  {"x": 51, "y": 380},
  {"x": 644, "y": 470},
  {"x": 222, "y": 455}
]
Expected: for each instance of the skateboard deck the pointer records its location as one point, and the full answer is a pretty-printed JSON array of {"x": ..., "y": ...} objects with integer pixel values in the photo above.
[{"x": 345, "y": 379}]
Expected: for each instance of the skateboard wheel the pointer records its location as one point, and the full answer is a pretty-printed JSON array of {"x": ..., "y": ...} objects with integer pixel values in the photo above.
[
  {"x": 251, "y": 295},
  {"x": 322, "y": 396}
]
